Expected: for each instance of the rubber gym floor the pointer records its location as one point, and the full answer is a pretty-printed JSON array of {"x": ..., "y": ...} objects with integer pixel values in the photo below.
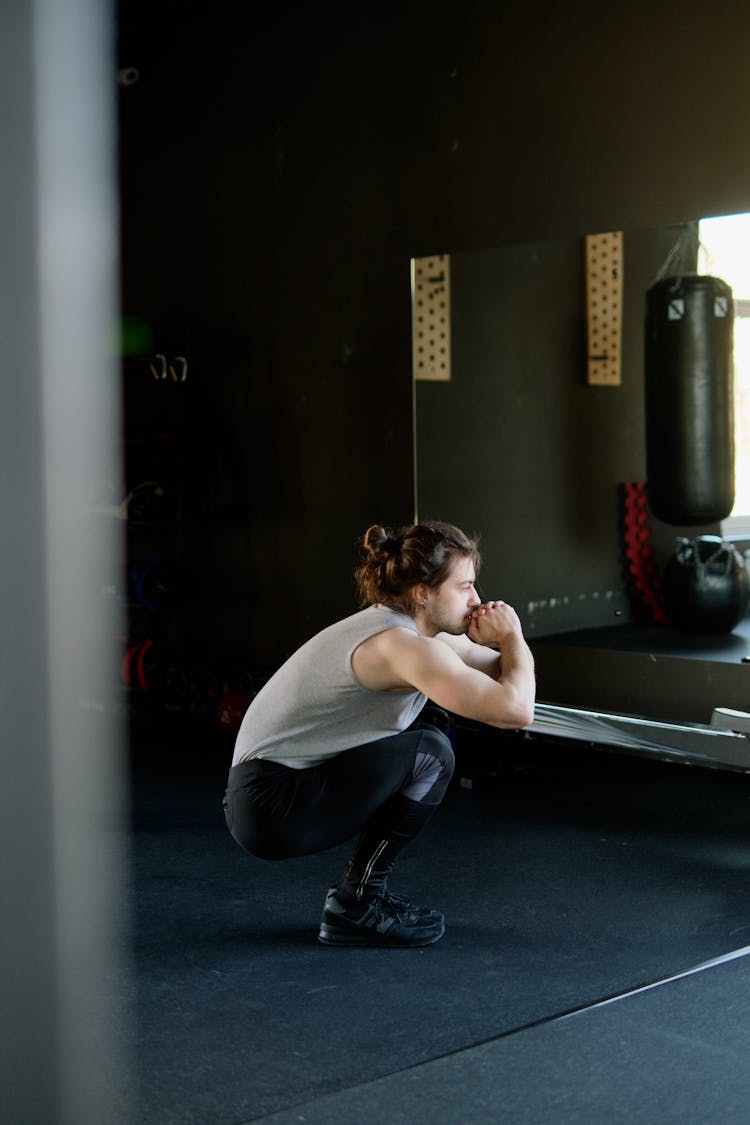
[{"x": 595, "y": 965}]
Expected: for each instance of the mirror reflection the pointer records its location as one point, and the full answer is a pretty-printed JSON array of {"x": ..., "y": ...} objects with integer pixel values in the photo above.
[{"x": 517, "y": 445}]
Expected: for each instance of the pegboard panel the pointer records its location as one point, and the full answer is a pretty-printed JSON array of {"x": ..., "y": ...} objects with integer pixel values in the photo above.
[
  {"x": 604, "y": 308},
  {"x": 431, "y": 317}
]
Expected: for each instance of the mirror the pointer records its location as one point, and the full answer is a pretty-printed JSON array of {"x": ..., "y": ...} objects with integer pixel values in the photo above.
[{"x": 517, "y": 446}]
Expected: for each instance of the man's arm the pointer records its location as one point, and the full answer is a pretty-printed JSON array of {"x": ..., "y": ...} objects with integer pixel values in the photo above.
[
  {"x": 481, "y": 657},
  {"x": 485, "y": 656},
  {"x": 495, "y": 689}
]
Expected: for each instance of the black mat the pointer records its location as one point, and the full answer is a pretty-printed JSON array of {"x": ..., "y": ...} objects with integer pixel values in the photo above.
[
  {"x": 675, "y": 1055},
  {"x": 576, "y": 877}
]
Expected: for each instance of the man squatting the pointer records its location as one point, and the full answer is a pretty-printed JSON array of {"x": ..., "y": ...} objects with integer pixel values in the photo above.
[{"x": 332, "y": 746}]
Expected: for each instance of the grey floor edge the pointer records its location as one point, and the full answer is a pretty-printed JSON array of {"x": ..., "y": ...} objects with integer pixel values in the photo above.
[{"x": 668, "y": 1052}]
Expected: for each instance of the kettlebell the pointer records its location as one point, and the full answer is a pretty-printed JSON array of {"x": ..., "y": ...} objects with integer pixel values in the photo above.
[{"x": 705, "y": 585}]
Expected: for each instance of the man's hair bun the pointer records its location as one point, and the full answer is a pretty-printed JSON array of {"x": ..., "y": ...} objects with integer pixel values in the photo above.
[
  {"x": 394, "y": 562},
  {"x": 379, "y": 541}
]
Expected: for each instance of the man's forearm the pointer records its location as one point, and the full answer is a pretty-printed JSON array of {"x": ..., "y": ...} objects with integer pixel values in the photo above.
[{"x": 516, "y": 668}]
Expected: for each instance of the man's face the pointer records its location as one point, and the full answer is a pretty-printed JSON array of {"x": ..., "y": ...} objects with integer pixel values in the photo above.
[{"x": 448, "y": 608}]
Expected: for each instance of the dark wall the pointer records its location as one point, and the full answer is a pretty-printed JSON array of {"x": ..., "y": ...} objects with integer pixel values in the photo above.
[{"x": 278, "y": 173}]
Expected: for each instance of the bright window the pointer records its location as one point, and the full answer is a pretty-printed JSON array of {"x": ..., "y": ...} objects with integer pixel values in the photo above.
[{"x": 725, "y": 253}]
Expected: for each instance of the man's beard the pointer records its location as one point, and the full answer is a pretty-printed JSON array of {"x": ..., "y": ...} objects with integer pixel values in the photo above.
[{"x": 455, "y": 626}]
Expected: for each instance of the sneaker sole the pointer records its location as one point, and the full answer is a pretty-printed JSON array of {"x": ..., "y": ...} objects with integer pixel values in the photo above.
[{"x": 330, "y": 936}]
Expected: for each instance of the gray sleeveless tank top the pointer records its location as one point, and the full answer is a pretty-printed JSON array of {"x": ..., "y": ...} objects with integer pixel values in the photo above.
[{"x": 315, "y": 707}]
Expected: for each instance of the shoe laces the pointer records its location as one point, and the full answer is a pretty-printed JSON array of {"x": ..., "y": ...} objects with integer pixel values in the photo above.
[{"x": 395, "y": 905}]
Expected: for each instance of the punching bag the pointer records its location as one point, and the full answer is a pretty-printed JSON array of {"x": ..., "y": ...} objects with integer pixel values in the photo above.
[
  {"x": 689, "y": 399},
  {"x": 705, "y": 586}
]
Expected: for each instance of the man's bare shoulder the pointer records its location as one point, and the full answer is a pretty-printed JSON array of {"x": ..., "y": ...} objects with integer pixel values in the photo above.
[
  {"x": 395, "y": 644},
  {"x": 385, "y": 661},
  {"x": 404, "y": 639}
]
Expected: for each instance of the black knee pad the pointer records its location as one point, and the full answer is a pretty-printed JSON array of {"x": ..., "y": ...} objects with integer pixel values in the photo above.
[
  {"x": 436, "y": 742},
  {"x": 433, "y": 768}
]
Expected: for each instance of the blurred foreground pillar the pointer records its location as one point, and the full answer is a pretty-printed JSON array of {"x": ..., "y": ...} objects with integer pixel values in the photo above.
[{"x": 63, "y": 927}]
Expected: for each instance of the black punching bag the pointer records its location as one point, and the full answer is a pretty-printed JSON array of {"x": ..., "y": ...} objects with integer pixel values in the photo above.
[{"x": 689, "y": 404}]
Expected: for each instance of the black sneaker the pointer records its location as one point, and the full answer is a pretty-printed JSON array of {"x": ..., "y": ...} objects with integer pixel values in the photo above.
[
  {"x": 378, "y": 923},
  {"x": 399, "y": 902}
]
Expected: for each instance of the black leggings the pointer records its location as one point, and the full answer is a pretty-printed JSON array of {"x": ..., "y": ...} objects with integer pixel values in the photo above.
[{"x": 275, "y": 812}]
